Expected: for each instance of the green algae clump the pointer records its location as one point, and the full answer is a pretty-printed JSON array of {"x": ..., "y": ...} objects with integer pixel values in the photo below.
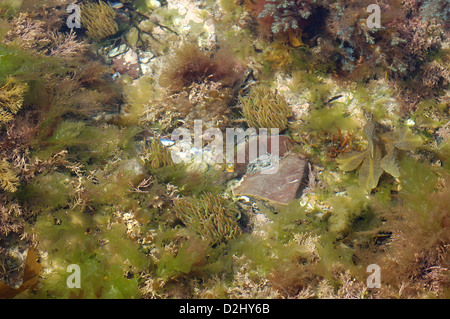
[
  {"x": 109, "y": 262},
  {"x": 264, "y": 108}
]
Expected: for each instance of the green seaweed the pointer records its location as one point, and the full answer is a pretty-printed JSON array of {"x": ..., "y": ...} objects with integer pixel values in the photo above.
[
  {"x": 189, "y": 257},
  {"x": 108, "y": 261},
  {"x": 50, "y": 191},
  {"x": 373, "y": 100},
  {"x": 346, "y": 209},
  {"x": 139, "y": 225},
  {"x": 418, "y": 182},
  {"x": 9, "y": 8},
  {"x": 330, "y": 119},
  {"x": 372, "y": 162},
  {"x": 89, "y": 142},
  {"x": 25, "y": 65}
]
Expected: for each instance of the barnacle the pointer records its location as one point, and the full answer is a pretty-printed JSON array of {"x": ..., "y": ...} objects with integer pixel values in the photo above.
[
  {"x": 98, "y": 19},
  {"x": 11, "y": 99},
  {"x": 264, "y": 108},
  {"x": 8, "y": 180},
  {"x": 212, "y": 217}
]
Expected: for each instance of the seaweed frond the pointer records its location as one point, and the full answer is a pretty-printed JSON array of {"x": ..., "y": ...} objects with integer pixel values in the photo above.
[
  {"x": 11, "y": 99},
  {"x": 372, "y": 162},
  {"x": 8, "y": 180}
]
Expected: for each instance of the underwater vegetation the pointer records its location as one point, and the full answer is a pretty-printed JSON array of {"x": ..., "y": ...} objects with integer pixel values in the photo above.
[
  {"x": 420, "y": 249},
  {"x": 373, "y": 162},
  {"x": 263, "y": 108},
  {"x": 157, "y": 155},
  {"x": 11, "y": 99},
  {"x": 98, "y": 19},
  {"x": 212, "y": 217},
  {"x": 194, "y": 83},
  {"x": 190, "y": 65},
  {"x": 8, "y": 180},
  {"x": 87, "y": 176},
  {"x": 103, "y": 255},
  {"x": 403, "y": 46}
]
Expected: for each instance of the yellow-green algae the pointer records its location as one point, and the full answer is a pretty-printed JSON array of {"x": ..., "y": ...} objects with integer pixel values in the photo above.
[{"x": 139, "y": 226}]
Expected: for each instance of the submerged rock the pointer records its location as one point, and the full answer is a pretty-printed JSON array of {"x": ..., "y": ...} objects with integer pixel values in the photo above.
[
  {"x": 127, "y": 63},
  {"x": 13, "y": 258},
  {"x": 243, "y": 147},
  {"x": 280, "y": 187}
]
